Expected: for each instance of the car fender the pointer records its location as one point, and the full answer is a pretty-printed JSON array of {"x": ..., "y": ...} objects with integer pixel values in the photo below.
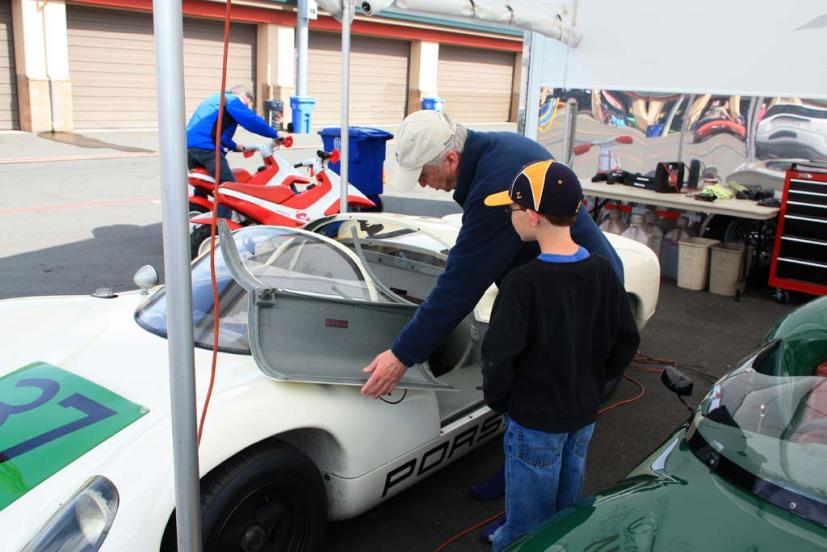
[{"x": 641, "y": 270}]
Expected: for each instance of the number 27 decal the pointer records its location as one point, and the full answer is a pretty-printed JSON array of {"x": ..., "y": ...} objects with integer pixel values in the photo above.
[{"x": 94, "y": 412}]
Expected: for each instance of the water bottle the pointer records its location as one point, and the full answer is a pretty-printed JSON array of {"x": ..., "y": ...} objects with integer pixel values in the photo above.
[
  {"x": 637, "y": 233},
  {"x": 614, "y": 224},
  {"x": 655, "y": 233}
]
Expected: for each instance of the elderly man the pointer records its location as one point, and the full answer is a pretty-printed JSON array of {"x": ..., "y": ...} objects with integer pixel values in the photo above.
[
  {"x": 440, "y": 154},
  {"x": 202, "y": 125},
  {"x": 443, "y": 155}
]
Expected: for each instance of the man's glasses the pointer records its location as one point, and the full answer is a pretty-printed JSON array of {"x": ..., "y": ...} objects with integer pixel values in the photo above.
[{"x": 511, "y": 209}]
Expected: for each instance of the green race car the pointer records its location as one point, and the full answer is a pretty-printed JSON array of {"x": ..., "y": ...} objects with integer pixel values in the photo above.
[{"x": 748, "y": 471}]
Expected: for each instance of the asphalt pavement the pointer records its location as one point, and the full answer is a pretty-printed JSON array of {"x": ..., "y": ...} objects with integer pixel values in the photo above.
[{"x": 93, "y": 217}]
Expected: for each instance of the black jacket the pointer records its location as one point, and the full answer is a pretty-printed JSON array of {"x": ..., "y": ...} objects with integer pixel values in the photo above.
[
  {"x": 487, "y": 247},
  {"x": 558, "y": 332}
]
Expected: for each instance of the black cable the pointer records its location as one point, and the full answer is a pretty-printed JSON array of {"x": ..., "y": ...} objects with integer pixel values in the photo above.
[{"x": 402, "y": 398}]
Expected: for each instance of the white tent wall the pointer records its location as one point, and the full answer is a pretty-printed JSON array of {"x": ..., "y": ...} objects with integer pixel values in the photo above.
[{"x": 755, "y": 48}]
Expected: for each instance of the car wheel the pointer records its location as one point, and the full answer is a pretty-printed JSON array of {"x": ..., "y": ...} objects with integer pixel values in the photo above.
[
  {"x": 269, "y": 497},
  {"x": 197, "y": 237}
]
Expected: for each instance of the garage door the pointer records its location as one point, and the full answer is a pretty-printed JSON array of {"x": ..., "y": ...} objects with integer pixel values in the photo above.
[
  {"x": 8, "y": 79},
  {"x": 476, "y": 84},
  {"x": 378, "y": 79},
  {"x": 112, "y": 65}
]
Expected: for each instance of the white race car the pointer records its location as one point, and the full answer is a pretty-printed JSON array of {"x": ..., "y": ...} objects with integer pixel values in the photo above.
[{"x": 289, "y": 442}]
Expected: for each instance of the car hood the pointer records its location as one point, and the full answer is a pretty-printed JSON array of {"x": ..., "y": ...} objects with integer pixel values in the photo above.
[
  {"x": 96, "y": 339},
  {"x": 673, "y": 502},
  {"x": 97, "y": 345}
]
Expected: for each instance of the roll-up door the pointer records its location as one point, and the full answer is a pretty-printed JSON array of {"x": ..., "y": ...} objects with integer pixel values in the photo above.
[
  {"x": 8, "y": 78},
  {"x": 378, "y": 79},
  {"x": 476, "y": 84},
  {"x": 112, "y": 65}
]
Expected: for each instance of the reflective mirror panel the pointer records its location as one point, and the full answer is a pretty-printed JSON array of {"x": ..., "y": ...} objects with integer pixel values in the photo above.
[{"x": 748, "y": 139}]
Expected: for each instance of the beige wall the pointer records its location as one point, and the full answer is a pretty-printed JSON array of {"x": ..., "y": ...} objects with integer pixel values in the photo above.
[
  {"x": 396, "y": 74},
  {"x": 422, "y": 73},
  {"x": 275, "y": 66},
  {"x": 42, "y": 64}
]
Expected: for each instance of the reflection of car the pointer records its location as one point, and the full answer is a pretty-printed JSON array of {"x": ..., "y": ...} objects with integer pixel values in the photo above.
[
  {"x": 792, "y": 131},
  {"x": 745, "y": 473},
  {"x": 84, "y": 400},
  {"x": 707, "y": 128}
]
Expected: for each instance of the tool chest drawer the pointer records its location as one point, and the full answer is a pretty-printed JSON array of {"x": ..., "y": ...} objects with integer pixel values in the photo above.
[
  {"x": 799, "y": 260},
  {"x": 803, "y": 248}
]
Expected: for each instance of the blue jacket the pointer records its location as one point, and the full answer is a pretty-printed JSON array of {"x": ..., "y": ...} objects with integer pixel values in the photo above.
[
  {"x": 201, "y": 127},
  {"x": 487, "y": 247}
]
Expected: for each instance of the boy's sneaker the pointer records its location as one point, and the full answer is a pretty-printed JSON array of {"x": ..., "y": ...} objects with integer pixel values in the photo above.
[
  {"x": 487, "y": 534},
  {"x": 492, "y": 488}
]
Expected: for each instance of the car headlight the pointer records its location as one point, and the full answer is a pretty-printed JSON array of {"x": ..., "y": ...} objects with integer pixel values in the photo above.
[{"x": 82, "y": 523}]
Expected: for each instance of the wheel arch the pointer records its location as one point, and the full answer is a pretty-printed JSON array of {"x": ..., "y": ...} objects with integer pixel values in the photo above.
[{"x": 315, "y": 443}]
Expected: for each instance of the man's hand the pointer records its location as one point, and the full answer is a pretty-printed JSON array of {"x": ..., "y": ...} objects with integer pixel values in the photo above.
[{"x": 385, "y": 372}]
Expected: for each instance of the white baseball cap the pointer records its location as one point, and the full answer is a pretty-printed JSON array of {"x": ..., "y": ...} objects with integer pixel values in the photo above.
[{"x": 422, "y": 136}]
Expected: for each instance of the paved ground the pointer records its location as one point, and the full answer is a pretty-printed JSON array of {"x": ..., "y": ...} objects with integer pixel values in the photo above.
[{"x": 71, "y": 226}]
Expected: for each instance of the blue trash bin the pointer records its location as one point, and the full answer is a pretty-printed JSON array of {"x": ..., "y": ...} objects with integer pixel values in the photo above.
[
  {"x": 366, "y": 156},
  {"x": 433, "y": 103},
  {"x": 302, "y": 107}
]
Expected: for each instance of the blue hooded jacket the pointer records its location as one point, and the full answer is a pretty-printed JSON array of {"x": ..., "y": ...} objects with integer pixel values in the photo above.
[
  {"x": 202, "y": 124},
  {"x": 487, "y": 247}
]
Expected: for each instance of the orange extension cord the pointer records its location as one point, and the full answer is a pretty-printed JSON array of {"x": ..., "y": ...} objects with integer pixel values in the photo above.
[
  {"x": 213, "y": 278},
  {"x": 639, "y": 362}
]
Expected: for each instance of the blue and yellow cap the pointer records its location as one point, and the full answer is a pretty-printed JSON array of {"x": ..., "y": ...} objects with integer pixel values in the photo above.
[{"x": 548, "y": 187}]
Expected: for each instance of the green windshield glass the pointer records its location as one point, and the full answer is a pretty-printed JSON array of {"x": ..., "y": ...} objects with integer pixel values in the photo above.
[{"x": 773, "y": 427}]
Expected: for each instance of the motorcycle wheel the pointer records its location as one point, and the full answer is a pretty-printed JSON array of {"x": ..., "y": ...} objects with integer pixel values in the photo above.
[
  {"x": 195, "y": 209},
  {"x": 197, "y": 237}
]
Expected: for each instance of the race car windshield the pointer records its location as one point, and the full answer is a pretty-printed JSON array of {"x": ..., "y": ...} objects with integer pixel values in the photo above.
[
  {"x": 768, "y": 435},
  {"x": 277, "y": 256}
]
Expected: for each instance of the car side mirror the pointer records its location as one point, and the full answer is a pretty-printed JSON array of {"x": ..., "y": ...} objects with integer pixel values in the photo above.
[
  {"x": 676, "y": 381},
  {"x": 146, "y": 278}
]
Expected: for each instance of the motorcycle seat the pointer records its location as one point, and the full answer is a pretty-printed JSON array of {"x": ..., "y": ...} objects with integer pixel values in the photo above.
[{"x": 275, "y": 194}]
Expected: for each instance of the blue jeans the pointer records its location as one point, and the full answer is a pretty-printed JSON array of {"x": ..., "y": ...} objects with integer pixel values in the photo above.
[
  {"x": 543, "y": 475},
  {"x": 198, "y": 157}
]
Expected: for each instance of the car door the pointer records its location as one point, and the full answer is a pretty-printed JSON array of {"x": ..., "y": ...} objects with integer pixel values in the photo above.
[{"x": 315, "y": 313}]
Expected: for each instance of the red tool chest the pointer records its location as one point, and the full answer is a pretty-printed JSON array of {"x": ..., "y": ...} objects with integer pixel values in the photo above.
[{"x": 799, "y": 259}]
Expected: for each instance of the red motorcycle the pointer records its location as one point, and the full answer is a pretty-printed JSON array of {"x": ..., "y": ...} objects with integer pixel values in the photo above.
[
  {"x": 293, "y": 202},
  {"x": 275, "y": 170}
]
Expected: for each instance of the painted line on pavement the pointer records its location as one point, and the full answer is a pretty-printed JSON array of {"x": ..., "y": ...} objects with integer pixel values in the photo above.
[
  {"x": 100, "y": 156},
  {"x": 83, "y": 205},
  {"x": 91, "y": 157}
]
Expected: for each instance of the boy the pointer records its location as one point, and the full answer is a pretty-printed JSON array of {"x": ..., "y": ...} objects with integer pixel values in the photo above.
[{"x": 561, "y": 326}]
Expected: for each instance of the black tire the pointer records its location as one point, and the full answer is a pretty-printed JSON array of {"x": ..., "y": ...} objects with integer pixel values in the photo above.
[
  {"x": 196, "y": 209},
  {"x": 197, "y": 237},
  {"x": 269, "y": 497}
]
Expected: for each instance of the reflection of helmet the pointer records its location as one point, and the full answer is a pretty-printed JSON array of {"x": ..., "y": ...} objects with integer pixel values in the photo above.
[{"x": 345, "y": 230}]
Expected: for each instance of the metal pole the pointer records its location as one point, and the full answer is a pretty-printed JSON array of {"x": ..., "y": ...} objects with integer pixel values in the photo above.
[
  {"x": 301, "y": 49},
  {"x": 684, "y": 125},
  {"x": 569, "y": 130},
  {"x": 347, "y": 14},
  {"x": 169, "y": 62}
]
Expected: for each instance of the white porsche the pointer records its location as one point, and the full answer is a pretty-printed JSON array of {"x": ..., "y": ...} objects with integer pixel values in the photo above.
[{"x": 289, "y": 442}]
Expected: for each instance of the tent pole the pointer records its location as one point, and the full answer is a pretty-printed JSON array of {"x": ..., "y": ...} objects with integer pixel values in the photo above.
[
  {"x": 169, "y": 62},
  {"x": 347, "y": 16}
]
